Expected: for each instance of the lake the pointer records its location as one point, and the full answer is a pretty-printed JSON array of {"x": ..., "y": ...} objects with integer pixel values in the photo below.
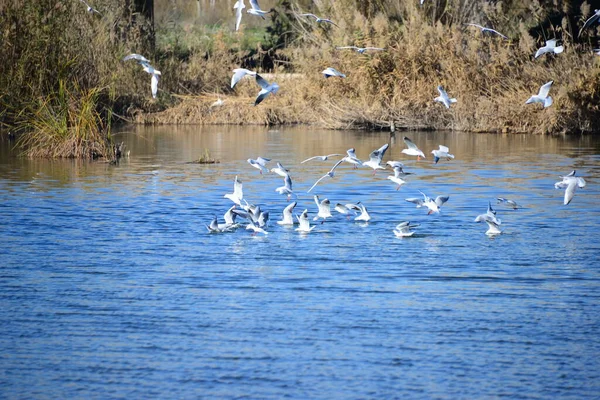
[{"x": 112, "y": 287}]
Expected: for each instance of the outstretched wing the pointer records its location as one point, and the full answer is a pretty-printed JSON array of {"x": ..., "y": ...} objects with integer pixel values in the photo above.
[
  {"x": 441, "y": 200},
  {"x": 409, "y": 143},
  {"x": 262, "y": 82},
  {"x": 589, "y": 22},
  {"x": 545, "y": 89}
]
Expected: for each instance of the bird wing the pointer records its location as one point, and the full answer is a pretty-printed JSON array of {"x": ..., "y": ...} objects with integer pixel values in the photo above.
[
  {"x": 570, "y": 191},
  {"x": 238, "y": 74},
  {"x": 497, "y": 33},
  {"x": 545, "y": 89},
  {"x": 589, "y": 22},
  {"x": 410, "y": 144},
  {"x": 238, "y": 190},
  {"x": 262, "y": 82},
  {"x": 311, "y": 158},
  {"x": 261, "y": 96},
  {"x": 580, "y": 182},
  {"x": 347, "y": 47},
  {"x": 137, "y": 57},
  {"x": 351, "y": 152},
  {"x": 444, "y": 149},
  {"x": 443, "y": 93},
  {"x": 478, "y": 26},
  {"x": 287, "y": 181},
  {"x": 316, "y": 183},
  {"x": 418, "y": 202},
  {"x": 441, "y": 200},
  {"x": 308, "y": 15},
  {"x": 154, "y": 85},
  {"x": 254, "y": 4},
  {"x": 551, "y": 43},
  {"x": 262, "y": 161}
]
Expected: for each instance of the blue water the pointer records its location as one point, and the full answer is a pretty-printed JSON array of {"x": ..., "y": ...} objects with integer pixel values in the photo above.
[{"x": 111, "y": 286}]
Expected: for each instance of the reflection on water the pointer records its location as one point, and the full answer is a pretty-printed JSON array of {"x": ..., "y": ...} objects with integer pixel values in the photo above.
[{"x": 111, "y": 285}]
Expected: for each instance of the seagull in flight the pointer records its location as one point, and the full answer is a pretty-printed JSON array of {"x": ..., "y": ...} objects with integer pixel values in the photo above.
[
  {"x": 280, "y": 170},
  {"x": 542, "y": 96},
  {"x": 260, "y": 163},
  {"x": 484, "y": 29},
  {"x": 322, "y": 158},
  {"x": 238, "y": 74},
  {"x": 432, "y": 205},
  {"x": 145, "y": 63},
  {"x": 443, "y": 97},
  {"x": 317, "y": 19},
  {"x": 398, "y": 164},
  {"x": 510, "y": 203},
  {"x": 256, "y": 10},
  {"x": 594, "y": 18},
  {"x": 329, "y": 174},
  {"x": 238, "y": 6},
  {"x": 288, "y": 218},
  {"x": 364, "y": 214},
  {"x": 403, "y": 229},
  {"x": 442, "y": 152},
  {"x": 396, "y": 178},
  {"x": 90, "y": 9},
  {"x": 287, "y": 187},
  {"x": 570, "y": 183},
  {"x": 238, "y": 194},
  {"x": 138, "y": 57},
  {"x": 360, "y": 50},
  {"x": 267, "y": 88},
  {"x": 252, "y": 226},
  {"x": 324, "y": 208},
  {"x": 329, "y": 72},
  {"x": 304, "y": 223},
  {"x": 375, "y": 158},
  {"x": 412, "y": 150},
  {"x": 490, "y": 215},
  {"x": 550, "y": 47}
]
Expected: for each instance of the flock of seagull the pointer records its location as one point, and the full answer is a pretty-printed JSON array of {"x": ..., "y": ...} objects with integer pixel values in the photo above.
[{"x": 257, "y": 219}]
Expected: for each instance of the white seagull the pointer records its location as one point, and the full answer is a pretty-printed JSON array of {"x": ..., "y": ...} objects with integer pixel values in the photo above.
[
  {"x": 154, "y": 80},
  {"x": 251, "y": 225},
  {"x": 288, "y": 218},
  {"x": 260, "y": 163},
  {"x": 412, "y": 150},
  {"x": 324, "y": 209},
  {"x": 352, "y": 159},
  {"x": 304, "y": 223},
  {"x": 329, "y": 174},
  {"x": 317, "y": 19},
  {"x": 256, "y": 10},
  {"x": 442, "y": 152},
  {"x": 364, "y": 215},
  {"x": 322, "y": 158},
  {"x": 396, "y": 177},
  {"x": 376, "y": 157},
  {"x": 344, "y": 209},
  {"x": 215, "y": 227},
  {"x": 329, "y": 72},
  {"x": 493, "y": 228},
  {"x": 490, "y": 215},
  {"x": 510, "y": 203},
  {"x": 360, "y": 50},
  {"x": 90, "y": 9},
  {"x": 238, "y": 6},
  {"x": 432, "y": 205},
  {"x": 267, "y": 88},
  {"x": 398, "y": 164},
  {"x": 542, "y": 96},
  {"x": 280, "y": 170},
  {"x": 443, "y": 97},
  {"x": 238, "y": 195},
  {"x": 287, "y": 187},
  {"x": 138, "y": 57},
  {"x": 403, "y": 229},
  {"x": 238, "y": 74},
  {"x": 550, "y": 47},
  {"x": 570, "y": 183},
  {"x": 484, "y": 29},
  {"x": 595, "y": 17}
]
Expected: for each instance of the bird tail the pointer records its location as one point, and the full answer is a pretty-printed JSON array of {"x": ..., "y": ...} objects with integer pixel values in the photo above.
[
  {"x": 548, "y": 102},
  {"x": 559, "y": 49}
]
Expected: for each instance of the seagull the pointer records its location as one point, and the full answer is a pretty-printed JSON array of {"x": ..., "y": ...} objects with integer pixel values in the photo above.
[
  {"x": 329, "y": 174},
  {"x": 267, "y": 88},
  {"x": 550, "y": 47},
  {"x": 238, "y": 6},
  {"x": 280, "y": 170},
  {"x": 570, "y": 183},
  {"x": 324, "y": 209},
  {"x": 396, "y": 178},
  {"x": 351, "y": 158},
  {"x": 433, "y": 206},
  {"x": 375, "y": 158},
  {"x": 493, "y": 228},
  {"x": 484, "y": 29},
  {"x": 287, "y": 187},
  {"x": 154, "y": 80},
  {"x": 251, "y": 225},
  {"x": 329, "y": 72},
  {"x": 304, "y": 223},
  {"x": 442, "y": 152},
  {"x": 230, "y": 217},
  {"x": 260, "y": 164},
  {"x": 542, "y": 96},
  {"x": 263, "y": 219},
  {"x": 238, "y": 195},
  {"x": 412, "y": 150},
  {"x": 597, "y": 52},
  {"x": 90, "y": 9},
  {"x": 360, "y": 50},
  {"x": 403, "y": 229},
  {"x": 509, "y": 203},
  {"x": 317, "y": 19},
  {"x": 288, "y": 218},
  {"x": 590, "y": 21},
  {"x": 217, "y": 103},
  {"x": 322, "y": 158},
  {"x": 238, "y": 74},
  {"x": 394, "y": 164},
  {"x": 490, "y": 215},
  {"x": 255, "y": 10},
  {"x": 364, "y": 215},
  {"x": 215, "y": 227},
  {"x": 344, "y": 210},
  {"x": 443, "y": 97},
  {"x": 139, "y": 58}
]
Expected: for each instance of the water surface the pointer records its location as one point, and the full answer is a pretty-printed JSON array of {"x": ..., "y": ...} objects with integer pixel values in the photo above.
[{"x": 111, "y": 286}]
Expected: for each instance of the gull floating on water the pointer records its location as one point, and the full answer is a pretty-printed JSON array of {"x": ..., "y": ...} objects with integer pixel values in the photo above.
[
  {"x": 364, "y": 214},
  {"x": 375, "y": 158},
  {"x": 256, "y": 10},
  {"x": 570, "y": 183},
  {"x": 215, "y": 227},
  {"x": 304, "y": 223},
  {"x": 509, "y": 203},
  {"x": 238, "y": 195},
  {"x": 484, "y": 29},
  {"x": 267, "y": 88},
  {"x": 238, "y": 74},
  {"x": 432, "y": 205},
  {"x": 288, "y": 218},
  {"x": 329, "y": 72},
  {"x": 230, "y": 217},
  {"x": 442, "y": 152},
  {"x": 238, "y": 6},
  {"x": 260, "y": 163},
  {"x": 443, "y": 97},
  {"x": 90, "y": 9},
  {"x": 403, "y": 229},
  {"x": 550, "y": 47},
  {"x": 412, "y": 150},
  {"x": 594, "y": 18},
  {"x": 360, "y": 50},
  {"x": 542, "y": 96},
  {"x": 324, "y": 208},
  {"x": 322, "y": 158},
  {"x": 396, "y": 178},
  {"x": 317, "y": 19}
]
